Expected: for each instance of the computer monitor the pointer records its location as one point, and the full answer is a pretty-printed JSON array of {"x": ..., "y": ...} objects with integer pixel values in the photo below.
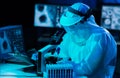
[
  {"x": 11, "y": 40},
  {"x": 47, "y": 15},
  {"x": 110, "y": 19},
  {"x": 110, "y": 16}
]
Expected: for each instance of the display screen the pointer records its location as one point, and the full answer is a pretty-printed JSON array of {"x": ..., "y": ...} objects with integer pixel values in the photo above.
[
  {"x": 110, "y": 17},
  {"x": 11, "y": 40},
  {"x": 47, "y": 15}
]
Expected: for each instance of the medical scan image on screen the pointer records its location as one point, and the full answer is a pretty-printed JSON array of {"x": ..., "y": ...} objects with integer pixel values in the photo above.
[
  {"x": 11, "y": 41},
  {"x": 110, "y": 17},
  {"x": 47, "y": 15}
]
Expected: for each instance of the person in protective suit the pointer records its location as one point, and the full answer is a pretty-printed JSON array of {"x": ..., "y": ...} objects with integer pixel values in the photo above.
[{"x": 91, "y": 49}]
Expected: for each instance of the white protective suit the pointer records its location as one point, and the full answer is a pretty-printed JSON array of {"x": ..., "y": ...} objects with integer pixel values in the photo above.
[{"x": 93, "y": 58}]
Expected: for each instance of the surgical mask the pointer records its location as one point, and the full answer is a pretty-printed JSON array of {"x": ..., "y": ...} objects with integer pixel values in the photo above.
[
  {"x": 75, "y": 29},
  {"x": 70, "y": 29},
  {"x": 79, "y": 32}
]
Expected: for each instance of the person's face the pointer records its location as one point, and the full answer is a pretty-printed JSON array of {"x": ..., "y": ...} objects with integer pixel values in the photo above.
[
  {"x": 74, "y": 29},
  {"x": 79, "y": 30}
]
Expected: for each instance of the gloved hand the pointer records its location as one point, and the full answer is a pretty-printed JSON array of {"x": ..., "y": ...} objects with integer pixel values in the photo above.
[{"x": 35, "y": 56}]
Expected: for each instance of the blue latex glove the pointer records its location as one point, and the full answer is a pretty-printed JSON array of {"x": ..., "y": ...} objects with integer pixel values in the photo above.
[{"x": 34, "y": 56}]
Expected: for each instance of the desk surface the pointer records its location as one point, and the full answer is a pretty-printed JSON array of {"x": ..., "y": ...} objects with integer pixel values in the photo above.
[{"x": 9, "y": 70}]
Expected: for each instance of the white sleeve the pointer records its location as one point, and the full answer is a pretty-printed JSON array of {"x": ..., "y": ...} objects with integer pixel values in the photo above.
[
  {"x": 90, "y": 63},
  {"x": 111, "y": 50},
  {"x": 99, "y": 56}
]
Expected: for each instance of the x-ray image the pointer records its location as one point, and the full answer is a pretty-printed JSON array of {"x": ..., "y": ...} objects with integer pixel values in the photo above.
[
  {"x": 45, "y": 15},
  {"x": 110, "y": 17},
  {"x": 4, "y": 43}
]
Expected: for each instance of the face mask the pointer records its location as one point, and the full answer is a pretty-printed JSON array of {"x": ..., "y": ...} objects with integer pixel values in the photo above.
[
  {"x": 71, "y": 29},
  {"x": 75, "y": 28}
]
